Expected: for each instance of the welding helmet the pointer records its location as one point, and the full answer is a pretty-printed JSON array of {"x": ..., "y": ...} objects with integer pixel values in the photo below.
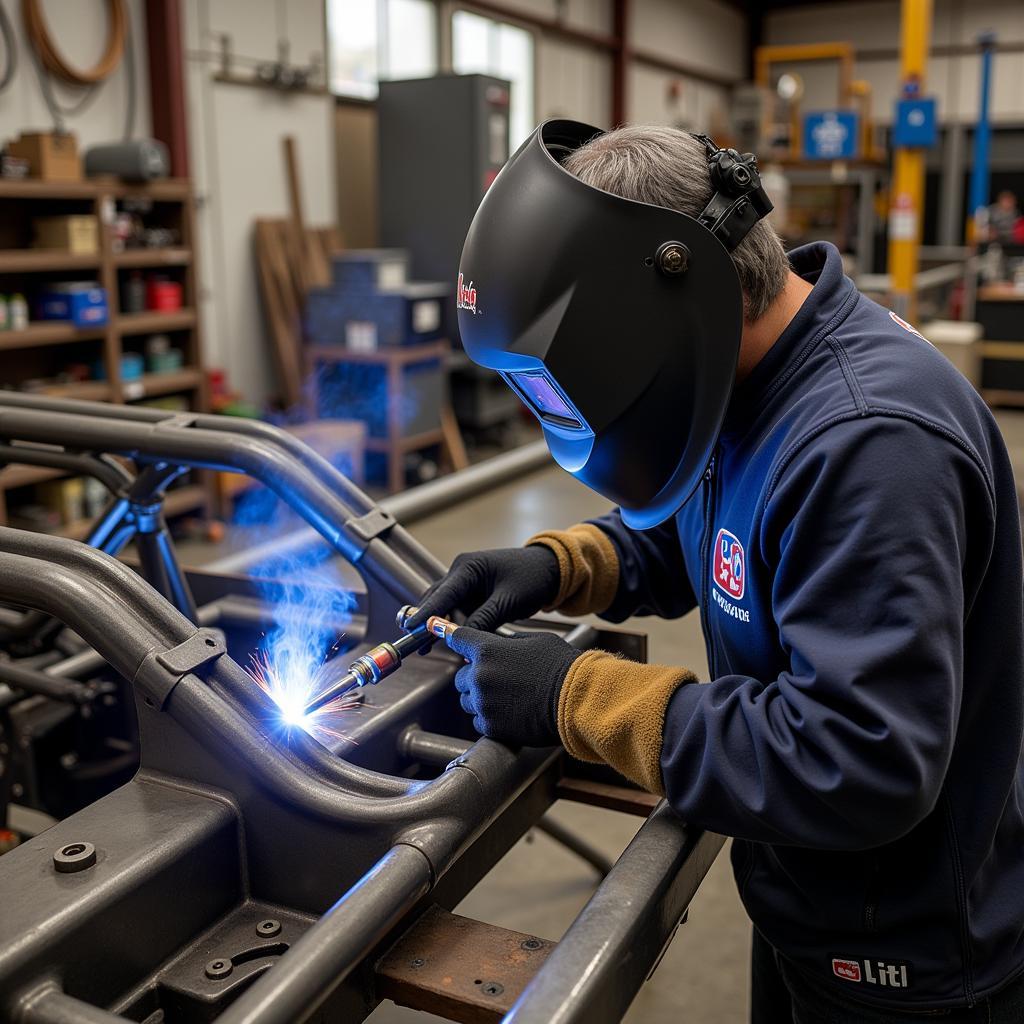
[{"x": 617, "y": 322}]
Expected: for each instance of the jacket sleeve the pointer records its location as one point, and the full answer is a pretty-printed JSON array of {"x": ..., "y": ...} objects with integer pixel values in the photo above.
[
  {"x": 879, "y": 529},
  {"x": 612, "y": 570}
]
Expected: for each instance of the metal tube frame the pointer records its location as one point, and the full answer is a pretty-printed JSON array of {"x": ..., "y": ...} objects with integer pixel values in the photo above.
[{"x": 217, "y": 785}]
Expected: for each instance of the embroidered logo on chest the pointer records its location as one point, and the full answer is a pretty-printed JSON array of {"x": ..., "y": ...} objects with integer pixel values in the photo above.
[{"x": 729, "y": 567}]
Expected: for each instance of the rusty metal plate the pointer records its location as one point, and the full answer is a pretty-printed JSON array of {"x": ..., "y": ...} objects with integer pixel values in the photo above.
[{"x": 460, "y": 968}]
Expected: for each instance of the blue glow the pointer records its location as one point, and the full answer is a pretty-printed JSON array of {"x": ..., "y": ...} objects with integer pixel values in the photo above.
[{"x": 312, "y": 605}]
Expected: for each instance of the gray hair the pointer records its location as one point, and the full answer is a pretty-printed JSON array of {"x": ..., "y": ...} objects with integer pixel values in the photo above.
[{"x": 668, "y": 167}]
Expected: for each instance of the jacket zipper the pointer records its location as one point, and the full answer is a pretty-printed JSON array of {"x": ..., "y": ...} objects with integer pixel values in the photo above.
[
  {"x": 709, "y": 516},
  {"x": 871, "y": 893}
]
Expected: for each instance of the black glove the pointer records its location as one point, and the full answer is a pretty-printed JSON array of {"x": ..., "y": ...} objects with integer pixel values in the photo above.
[
  {"x": 511, "y": 684},
  {"x": 492, "y": 587}
]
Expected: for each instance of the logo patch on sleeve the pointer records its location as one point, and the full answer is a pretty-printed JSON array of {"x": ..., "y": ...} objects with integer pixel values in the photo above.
[
  {"x": 729, "y": 567},
  {"x": 907, "y": 327}
]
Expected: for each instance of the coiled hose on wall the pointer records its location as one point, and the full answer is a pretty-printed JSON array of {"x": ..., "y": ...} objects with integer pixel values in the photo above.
[
  {"x": 7, "y": 31},
  {"x": 51, "y": 64},
  {"x": 52, "y": 59}
]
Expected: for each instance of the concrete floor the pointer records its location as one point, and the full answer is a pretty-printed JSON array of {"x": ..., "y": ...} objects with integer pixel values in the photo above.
[{"x": 539, "y": 887}]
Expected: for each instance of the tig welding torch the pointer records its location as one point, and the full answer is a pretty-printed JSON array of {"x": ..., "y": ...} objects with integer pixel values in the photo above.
[{"x": 383, "y": 659}]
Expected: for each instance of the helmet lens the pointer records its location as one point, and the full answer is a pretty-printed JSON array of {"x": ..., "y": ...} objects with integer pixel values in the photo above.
[{"x": 543, "y": 396}]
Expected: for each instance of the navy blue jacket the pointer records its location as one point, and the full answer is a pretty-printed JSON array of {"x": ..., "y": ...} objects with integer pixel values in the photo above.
[{"x": 855, "y": 551}]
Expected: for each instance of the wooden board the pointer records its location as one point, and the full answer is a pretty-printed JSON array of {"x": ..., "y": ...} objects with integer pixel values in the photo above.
[{"x": 280, "y": 308}]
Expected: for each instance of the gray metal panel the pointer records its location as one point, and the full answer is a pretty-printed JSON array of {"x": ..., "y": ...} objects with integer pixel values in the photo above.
[
  {"x": 433, "y": 166},
  {"x": 107, "y": 925}
]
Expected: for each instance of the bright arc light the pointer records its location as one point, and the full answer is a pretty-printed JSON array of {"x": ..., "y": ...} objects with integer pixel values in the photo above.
[
  {"x": 291, "y": 692},
  {"x": 292, "y": 709}
]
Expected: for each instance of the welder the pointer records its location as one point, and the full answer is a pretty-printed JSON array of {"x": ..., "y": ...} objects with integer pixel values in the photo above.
[{"x": 801, "y": 465}]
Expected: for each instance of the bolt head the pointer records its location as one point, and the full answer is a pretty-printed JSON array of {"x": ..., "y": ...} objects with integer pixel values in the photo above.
[
  {"x": 531, "y": 944},
  {"x": 268, "y": 928},
  {"x": 672, "y": 258},
  {"x": 492, "y": 988},
  {"x": 72, "y": 857},
  {"x": 218, "y": 968}
]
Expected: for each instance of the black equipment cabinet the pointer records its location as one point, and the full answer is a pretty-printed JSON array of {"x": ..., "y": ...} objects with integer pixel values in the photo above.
[{"x": 441, "y": 143}]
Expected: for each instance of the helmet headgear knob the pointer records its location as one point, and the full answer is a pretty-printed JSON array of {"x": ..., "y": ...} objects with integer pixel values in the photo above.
[{"x": 672, "y": 258}]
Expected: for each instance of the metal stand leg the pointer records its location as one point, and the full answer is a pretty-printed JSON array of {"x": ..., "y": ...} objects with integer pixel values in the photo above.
[
  {"x": 159, "y": 560},
  {"x": 567, "y": 838}
]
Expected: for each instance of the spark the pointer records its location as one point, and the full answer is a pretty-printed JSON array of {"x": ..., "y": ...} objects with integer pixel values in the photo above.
[{"x": 292, "y": 690}]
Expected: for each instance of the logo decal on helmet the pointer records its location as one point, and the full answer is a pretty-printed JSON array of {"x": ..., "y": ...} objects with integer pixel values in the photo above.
[{"x": 465, "y": 297}]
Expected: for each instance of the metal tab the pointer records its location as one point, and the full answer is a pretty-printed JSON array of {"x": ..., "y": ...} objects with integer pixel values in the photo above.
[{"x": 161, "y": 671}]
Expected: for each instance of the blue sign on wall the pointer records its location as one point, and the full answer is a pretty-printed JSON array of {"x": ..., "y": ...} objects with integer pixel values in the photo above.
[
  {"x": 831, "y": 135},
  {"x": 914, "y": 123}
]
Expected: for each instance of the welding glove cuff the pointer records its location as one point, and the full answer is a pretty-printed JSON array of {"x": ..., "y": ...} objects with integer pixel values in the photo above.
[
  {"x": 494, "y": 587},
  {"x": 511, "y": 685}
]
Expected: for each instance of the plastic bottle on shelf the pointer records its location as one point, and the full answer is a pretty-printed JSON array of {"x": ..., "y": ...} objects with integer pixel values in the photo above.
[
  {"x": 134, "y": 293},
  {"x": 17, "y": 312}
]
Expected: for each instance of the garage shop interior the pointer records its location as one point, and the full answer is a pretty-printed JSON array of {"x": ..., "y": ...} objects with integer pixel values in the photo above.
[{"x": 510, "y": 511}]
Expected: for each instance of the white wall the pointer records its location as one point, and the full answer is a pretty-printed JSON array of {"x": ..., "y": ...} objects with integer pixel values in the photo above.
[
  {"x": 575, "y": 81},
  {"x": 235, "y": 135},
  {"x": 875, "y": 24},
  {"x": 704, "y": 34},
  {"x": 571, "y": 80},
  {"x": 79, "y": 30}
]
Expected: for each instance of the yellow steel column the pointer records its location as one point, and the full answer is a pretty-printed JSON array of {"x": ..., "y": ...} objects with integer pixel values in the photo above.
[{"x": 907, "y": 202}]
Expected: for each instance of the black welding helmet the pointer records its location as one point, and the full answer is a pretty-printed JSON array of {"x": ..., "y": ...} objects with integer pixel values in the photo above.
[{"x": 617, "y": 322}]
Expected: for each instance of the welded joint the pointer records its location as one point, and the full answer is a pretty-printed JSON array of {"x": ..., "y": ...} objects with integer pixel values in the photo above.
[
  {"x": 146, "y": 515},
  {"x": 161, "y": 671}
]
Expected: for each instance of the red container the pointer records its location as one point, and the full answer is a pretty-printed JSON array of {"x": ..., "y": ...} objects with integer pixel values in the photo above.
[{"x": 163, "y": 295}]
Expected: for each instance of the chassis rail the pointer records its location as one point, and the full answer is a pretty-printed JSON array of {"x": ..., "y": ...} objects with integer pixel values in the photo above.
[{"x": 230, "y": 810}]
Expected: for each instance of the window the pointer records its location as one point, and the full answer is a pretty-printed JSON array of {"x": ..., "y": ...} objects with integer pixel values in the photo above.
[
  {"x": 484, "y": 46},
  {"x": 370, "y": 40}
]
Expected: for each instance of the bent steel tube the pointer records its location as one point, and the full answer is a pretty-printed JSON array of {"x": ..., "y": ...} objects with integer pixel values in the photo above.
[
  {"x": 102, "y": 570},
  {"x": 318, "y": 492},
  {"x": 598, "y": 966},
  {"x": 326, "y": 954},
  {"x": 488, "y": 774},
  {"x": 408, "y": 506}
]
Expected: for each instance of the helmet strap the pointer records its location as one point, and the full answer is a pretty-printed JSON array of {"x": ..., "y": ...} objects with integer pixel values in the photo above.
[{"x": 739, "y": 200}]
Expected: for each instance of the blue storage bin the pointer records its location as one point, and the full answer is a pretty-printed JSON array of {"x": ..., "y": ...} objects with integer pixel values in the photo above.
[
  {"x": 409, "y": 315},
  {"x": 84, "y": 303}
]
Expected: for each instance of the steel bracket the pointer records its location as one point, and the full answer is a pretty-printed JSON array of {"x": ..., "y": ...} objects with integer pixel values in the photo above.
[
  {"x": 373, "y": 524},
  {"x": 181, "y": 419},
  {"x": 161, "y": 671}
]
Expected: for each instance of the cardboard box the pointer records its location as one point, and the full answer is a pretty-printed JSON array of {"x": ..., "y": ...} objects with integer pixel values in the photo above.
[
  {"x": 50, "y": 157},
  {"x": 77, "y": 233}
]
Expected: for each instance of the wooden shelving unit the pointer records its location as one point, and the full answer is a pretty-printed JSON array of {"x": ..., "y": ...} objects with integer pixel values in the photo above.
[{"x": 26, "y": 358}]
